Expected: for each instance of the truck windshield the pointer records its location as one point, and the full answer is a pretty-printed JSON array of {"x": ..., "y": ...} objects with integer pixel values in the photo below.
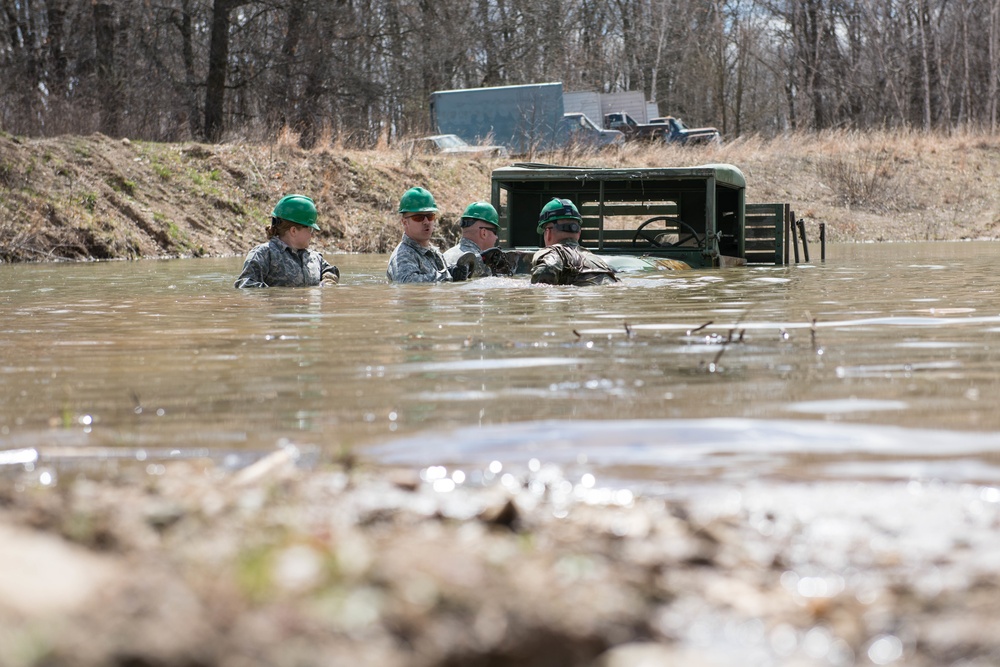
[{"x": 450, "y": 141}]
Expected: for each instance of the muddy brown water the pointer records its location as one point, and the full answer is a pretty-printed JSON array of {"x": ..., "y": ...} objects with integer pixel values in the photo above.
[
  {"x": 842, "y": 415},
  {"x": 884, "y": 361}
]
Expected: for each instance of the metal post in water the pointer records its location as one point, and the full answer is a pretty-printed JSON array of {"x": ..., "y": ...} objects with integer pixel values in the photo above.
[
  {"x": 805, "y": 244},
  {"x": 793, "y": 237},
  {"x": 788, "y": 234},
  {"x": 822, "y": 241}
]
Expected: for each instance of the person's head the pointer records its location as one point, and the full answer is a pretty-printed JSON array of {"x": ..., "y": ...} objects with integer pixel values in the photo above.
[
  {"x": 293, "y": 220},
  {"x": 481, "y": 224},
  {"x": 418, "y": 213},
  {"x": 558, "y": 221}
]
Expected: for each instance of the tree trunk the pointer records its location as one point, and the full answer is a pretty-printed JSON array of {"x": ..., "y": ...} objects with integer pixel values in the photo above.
[
  {"x": 994, "y": 65},
  {"x": 57, "y": 50},
  {"x": 285, "y": 99},
  {"x": 815, "y": 79},
  {"x": 661, "y": 38},
  {"x": 721, "y": 75},
  {"x": 925, "y": 65},
  {"x": 218, "y": 67},
  {"x": 107, "y": 88},
  {"x": 182, "y": 21}
]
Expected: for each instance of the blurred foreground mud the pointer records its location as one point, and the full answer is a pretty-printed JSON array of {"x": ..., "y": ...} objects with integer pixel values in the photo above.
[{"x": 186, "y": 564}]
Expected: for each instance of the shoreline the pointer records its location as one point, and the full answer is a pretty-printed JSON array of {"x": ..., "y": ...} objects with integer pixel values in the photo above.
[{"x": 78, "y": 198}]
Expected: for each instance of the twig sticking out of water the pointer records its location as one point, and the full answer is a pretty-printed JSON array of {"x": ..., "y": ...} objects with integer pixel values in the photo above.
[
  {"x": 628, "y": 331},
  {"x": 731, "y": 338},
  {"x": 812, "y": 333},
  {"x": 697, "y": 329},
  {"x": 577, "y": 334},
  {"x": 135, "y": 400},
  {"x": 718, "y": 355}
]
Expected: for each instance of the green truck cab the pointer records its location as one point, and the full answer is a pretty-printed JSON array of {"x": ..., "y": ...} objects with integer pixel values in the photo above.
[{"x": 697, "y": 216}]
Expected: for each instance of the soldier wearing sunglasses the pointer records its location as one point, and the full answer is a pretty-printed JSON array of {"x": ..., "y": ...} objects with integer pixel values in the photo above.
[
  {"x": 415, "y": 259},
  {"x": 562, "y": 261}
]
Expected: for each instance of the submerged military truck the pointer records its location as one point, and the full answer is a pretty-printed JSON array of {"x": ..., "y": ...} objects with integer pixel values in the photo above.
[{"x": 694, "y": 215}]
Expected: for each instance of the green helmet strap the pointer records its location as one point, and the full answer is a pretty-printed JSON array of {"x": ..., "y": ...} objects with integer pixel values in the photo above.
[{"x": 571, "y": 226}]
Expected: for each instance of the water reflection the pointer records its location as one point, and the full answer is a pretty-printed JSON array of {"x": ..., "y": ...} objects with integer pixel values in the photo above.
[{"x": 165, "y": 355}]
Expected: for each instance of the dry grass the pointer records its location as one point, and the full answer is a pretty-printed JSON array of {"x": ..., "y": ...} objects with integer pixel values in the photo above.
[{"x": 63, "y": 197}]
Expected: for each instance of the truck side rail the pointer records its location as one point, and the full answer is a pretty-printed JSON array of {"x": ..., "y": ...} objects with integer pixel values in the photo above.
[{"x": 766, "y": 226}]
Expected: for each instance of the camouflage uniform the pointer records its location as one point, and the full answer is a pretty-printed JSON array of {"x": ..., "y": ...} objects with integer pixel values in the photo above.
[
  {"x": 410, "y": 262},
  {"x": 465, "y": 245},
  {"x": 276, "y": 264},
  {"x": 566, "y": 263}
]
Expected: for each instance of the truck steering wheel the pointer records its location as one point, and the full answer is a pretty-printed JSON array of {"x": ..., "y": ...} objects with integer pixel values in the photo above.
[{"x": 684, "y": 235}]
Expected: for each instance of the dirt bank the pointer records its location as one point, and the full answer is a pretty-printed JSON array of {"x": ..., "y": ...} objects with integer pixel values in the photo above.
[{"x": 97, "y": 198}]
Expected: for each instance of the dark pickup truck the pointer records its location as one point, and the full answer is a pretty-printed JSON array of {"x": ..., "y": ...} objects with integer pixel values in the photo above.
[
  {"x": 666, "y": 129},
  {"x": 634, "y": 130},
  {"x": 677, "y": 131}
]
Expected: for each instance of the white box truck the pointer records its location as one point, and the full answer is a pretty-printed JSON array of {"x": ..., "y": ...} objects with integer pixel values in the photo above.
[{"x": 598, "y": 105}]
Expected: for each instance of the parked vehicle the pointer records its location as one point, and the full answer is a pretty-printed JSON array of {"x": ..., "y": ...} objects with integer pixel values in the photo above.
[
  {"x": 523, "y": 118},
  {"x": 649, "y": 218},
  {"x": 634, "y": 130},
  {"x": 681, "y": 133},
  {"x": 595, "y": 105},
  {"x": 579, "y": 130},
  {"x": 451, "y": 144}
]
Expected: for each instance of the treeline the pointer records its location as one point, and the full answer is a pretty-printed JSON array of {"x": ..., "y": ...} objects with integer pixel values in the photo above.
[{"x": 361, "y": 71}]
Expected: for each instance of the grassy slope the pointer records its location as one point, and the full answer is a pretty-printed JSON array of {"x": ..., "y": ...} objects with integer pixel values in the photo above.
[{"x": 93, "y": 197}]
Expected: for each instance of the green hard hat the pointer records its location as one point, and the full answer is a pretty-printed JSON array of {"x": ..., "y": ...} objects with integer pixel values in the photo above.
[
  {"x": 481, "y": 210},
  {"x": 417, "y": 200},
  {"x": 298, "y": 209},
  {"x": 558, "y": 209}
]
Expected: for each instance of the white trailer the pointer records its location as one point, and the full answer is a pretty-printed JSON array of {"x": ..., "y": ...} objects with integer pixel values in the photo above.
[{"x": 596, "y": 105}]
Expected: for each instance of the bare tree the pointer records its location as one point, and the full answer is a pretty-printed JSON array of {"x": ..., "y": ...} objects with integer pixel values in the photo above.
[
  {"x": 218, "y": 68},
  {"x": 107, "y": 86},
  {"x": 363, "y": 69}
]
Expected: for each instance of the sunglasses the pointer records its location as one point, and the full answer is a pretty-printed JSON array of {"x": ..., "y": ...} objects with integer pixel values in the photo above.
[
  {"x": 421, "y": 217},
  {"x": 490, "y": 228}
]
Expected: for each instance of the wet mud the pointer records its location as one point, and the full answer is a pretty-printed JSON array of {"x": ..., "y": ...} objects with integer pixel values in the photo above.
[{"x": 191, "y": 563}]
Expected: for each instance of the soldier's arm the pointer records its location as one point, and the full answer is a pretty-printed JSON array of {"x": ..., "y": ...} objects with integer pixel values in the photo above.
[
  {"x": 545, "y": 267},
  {"x": 255, "y": 268},
  {"x": 328, "y": 273}
]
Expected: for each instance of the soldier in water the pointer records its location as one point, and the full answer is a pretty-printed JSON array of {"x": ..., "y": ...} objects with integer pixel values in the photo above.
[
  {"x": 285, "y": 260},
  {"x": 415, "y": 259},
  {"x": 562, "y": 261},
  {"x": 480, "y": 231}
]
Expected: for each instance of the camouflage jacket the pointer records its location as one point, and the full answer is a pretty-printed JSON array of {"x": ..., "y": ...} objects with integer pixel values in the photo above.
[
  {"x": 452, "y": 254},
  {"x": 566, "y": 263},
  {"x": 410, "y": 262},
  {"x": 276, "y": 264}
]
